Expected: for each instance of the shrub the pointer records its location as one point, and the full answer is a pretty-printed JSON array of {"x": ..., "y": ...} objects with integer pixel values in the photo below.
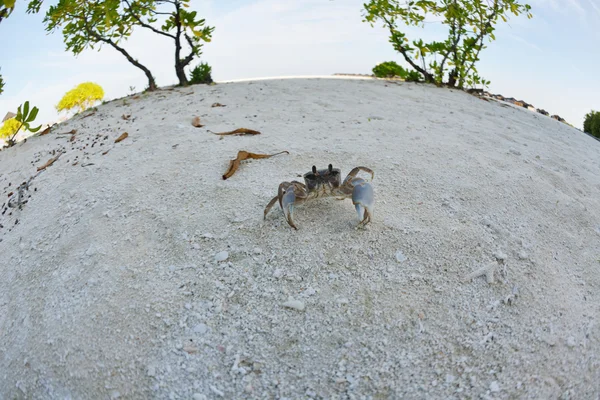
[
  {"x": 591, "y": 123},
  {"x": 201, "y": 74},
  {"x": 413, "y": 76},
  {"x": 389, "y": 69},
  {"x": 82, "y": 97},
  {"x": 12, "y": 126}
]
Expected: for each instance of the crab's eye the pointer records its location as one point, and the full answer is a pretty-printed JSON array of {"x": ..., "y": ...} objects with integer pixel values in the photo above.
[
  {"x": 314, "y": 169},
  {"x": 330, "y": 167}
]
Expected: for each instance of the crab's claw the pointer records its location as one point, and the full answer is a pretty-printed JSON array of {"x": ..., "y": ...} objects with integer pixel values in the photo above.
[
  {"x": 363, "y": 200},
  {"x": 287, "y": 200}
]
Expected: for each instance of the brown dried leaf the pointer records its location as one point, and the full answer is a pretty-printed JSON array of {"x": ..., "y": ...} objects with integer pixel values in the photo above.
[
  {"x": 196, "y": 122},
  {"x": 49, "y": 162},
  {"x": 105, "y": 153},
  {"x": 239, "y": 132},
  {"x": 46, "y": 131},
  {"x": 72, "y": 138},
  {"x": 244, "y": 155},
  {"x": 89, "y": 115},
  {"x": 126, "y": 116},
  {"x": 218, "y": 105},
  {"x": 122, "y": 137}
]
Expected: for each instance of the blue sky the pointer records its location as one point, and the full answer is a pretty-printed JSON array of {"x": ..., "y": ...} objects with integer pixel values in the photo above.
[{"x": 550, "y": 61}]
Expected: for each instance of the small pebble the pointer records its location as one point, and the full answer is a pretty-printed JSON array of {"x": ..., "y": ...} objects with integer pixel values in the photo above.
[
  {"x": 257, "y": 250},
  {"x": 571, "y": 341},
  {"x": 294, "y": 304},
  {"x": 221, "y": 256},
  {"x": 198, "y": 396},
  {"x": 278, "y": 273},
  {"x": 494, "y": 387},
  {"x": 200, "y": 328},
  {"x": 400, "y": 257},
  {"x": 151, "y": 371}
]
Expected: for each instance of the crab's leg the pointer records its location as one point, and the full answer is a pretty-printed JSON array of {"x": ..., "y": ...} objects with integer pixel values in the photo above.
[
  {"x": 355, "y": 171},
  {"x": 291, "y": 194},
  {"x": 270, "y": 205},
  {"x": 363, "y": 200}
]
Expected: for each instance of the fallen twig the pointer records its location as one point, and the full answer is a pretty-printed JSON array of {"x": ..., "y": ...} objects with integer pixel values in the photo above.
[
  {"x": 71, "y": 132},
  {"x": 50, "y": 162},
  {"x": 238, "y": 132},
  {"x": 218, "y": 105},
  {"x": 244, "y": 155},
  {"x": 488, "y": 271}
]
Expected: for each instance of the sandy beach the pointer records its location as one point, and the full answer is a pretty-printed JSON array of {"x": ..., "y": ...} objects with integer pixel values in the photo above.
[{"x": 479, "y": 276}]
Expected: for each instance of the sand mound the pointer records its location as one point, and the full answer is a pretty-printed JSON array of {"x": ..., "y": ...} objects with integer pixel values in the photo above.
[{"x": 110, "y": 286}]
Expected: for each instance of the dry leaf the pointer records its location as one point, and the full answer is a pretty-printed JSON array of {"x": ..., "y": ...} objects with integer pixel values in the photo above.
[
  {"x": 239, "y": 132},
  {"x": 218, "y": 105},
  {"x": 122, "y": 137},
  {"x": 196, "y": 122},
  {"x": 244, "y": 155},
  {"x": 89, "y": 115},
  {"x": 105, "y": 153},
  {"x": 72, "y": 138},
  {"x": 126, "y": 117},
  {"x": 46, "y": 131},
  {"x": 136, "y": 97},
  {"x": 49, "y": 162}
]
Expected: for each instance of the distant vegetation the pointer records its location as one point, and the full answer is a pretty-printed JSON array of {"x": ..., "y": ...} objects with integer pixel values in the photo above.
[
  {"x": 451, "y": 61},
  {"x": 591, "y": 123},
  {"x": 201, "y": 74},
  {"x": 81, "y": 97},
  {"x": 390, "y": 69}
]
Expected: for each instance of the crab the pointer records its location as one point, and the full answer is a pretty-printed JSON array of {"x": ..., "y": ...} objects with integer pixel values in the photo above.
[{"x": 326, "y": 183}]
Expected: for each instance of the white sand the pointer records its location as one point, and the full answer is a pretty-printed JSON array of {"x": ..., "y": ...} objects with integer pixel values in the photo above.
[{"x": 109, "y": 285}]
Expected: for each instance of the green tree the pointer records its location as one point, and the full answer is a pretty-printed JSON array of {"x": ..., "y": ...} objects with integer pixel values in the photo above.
[
  {"x": 1, "y": 84},
  {"x": 470, "y": 23},
  {"x": 179, "y": 25},
  {"x": 90, "y": 23},
  {"x": 591, "y": 123}
]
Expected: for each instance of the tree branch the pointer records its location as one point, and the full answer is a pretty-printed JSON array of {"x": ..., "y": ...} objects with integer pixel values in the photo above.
[{"x": 145, "y": 25}]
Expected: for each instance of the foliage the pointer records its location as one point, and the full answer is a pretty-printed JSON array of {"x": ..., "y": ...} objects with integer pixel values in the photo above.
[
  {"x": 201, "y": 74},
  {"x": 413, "y": 76},
  {"x": 591, "y": 123},
  {"x": 6, "y": 8},
  {"x": 9, "y": 128},
  {"x": 1, "y": 84},
  {"x": 81, "y": 97},
  {"x": 451, "y": 61},
  {"x": 92, "y": 23},
  {"x": 389, "y": 69},
  {"x": 179, "y": 25},
  {"x": 24, "y": 117}
]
